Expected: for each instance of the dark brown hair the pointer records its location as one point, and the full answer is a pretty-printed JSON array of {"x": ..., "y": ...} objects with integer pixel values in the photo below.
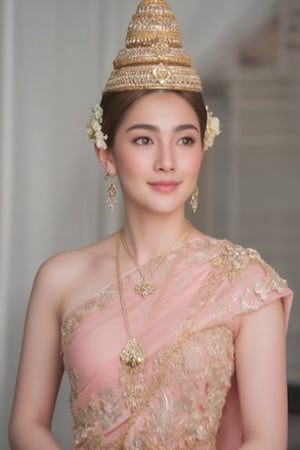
[{"x": 116, "y": 104}]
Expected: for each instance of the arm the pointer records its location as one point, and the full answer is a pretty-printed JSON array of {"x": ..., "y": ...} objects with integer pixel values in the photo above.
[
  {"x": 41, "y": 367},
  {"x": 261, "y": 375}
]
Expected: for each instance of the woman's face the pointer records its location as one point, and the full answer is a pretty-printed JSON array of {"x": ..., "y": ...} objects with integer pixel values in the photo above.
[{"x": 157, "y": 153}]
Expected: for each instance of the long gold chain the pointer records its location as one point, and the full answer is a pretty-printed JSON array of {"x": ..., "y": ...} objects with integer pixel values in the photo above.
[
  {"x": 133, "y": 355},
  {"x": 146, "y": 287}
]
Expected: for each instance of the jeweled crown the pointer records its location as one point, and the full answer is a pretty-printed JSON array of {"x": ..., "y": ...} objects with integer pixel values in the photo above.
[{"x": 153, "y": 57}]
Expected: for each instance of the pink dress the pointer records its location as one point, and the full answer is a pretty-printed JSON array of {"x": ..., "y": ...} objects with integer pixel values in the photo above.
[{"x": 186, "y": 395}]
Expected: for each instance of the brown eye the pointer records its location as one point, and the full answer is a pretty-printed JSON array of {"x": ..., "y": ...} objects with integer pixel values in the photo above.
[
  {"x": 186, "y": 140},
  {"x": 142, "y": 140}
]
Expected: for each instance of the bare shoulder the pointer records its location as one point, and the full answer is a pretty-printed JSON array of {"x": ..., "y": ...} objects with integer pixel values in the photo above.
[{"x": 67, "y": 278}]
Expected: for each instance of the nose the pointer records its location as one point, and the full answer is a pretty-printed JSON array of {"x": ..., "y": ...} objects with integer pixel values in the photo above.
[{"x": 165, "y": 158}]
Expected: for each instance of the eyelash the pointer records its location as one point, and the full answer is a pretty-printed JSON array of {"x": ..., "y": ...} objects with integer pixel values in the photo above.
[
  {"x": 144, "y": 140},
  {"x": 187, "y": 140}
]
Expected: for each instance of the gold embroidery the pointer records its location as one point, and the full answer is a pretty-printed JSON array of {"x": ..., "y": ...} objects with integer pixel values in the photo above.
[
  {"x": 98, "y": 302},
  {"x": 68, "y": 326},
  {"x": 273, "y": 282},
  {"x": 73, "y": 380},
  {"x": 235, "y": 258},
  {"x": 101, "y": 412},
  {"x": 200, "y": 375},
  {"x": 187, "y": 398},
  {"x": 178, "y": 401},
  {"x": 200, "y": 250},
  {"x": 137, "y": 396},
  {"x": 230, "y": 262}
]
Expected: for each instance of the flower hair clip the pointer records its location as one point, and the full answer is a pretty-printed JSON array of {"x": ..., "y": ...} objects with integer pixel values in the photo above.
[
  {"x": 94, "y": 128},
  {"x": 212, "y": 130}
]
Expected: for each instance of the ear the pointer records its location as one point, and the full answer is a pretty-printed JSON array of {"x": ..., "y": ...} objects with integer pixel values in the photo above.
[{"x": 107, "y": 161}]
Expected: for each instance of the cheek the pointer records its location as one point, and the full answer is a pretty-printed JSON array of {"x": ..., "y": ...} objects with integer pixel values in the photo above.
[
  {"x": 193, "y": 164},
  {"x": 130, "y": 164}
]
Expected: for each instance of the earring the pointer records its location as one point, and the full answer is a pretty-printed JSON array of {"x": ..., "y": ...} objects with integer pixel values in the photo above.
[
  {"x": 194, "y": 199},
  {"x": 111, "y": 192}
]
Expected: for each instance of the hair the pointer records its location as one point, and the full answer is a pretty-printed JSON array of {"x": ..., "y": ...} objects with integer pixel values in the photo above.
[{"x": 116, "y": 104}]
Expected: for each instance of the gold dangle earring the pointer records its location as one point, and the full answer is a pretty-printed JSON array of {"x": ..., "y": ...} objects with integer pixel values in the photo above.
[
  {"x": 194, "y": 199},
  {"x": 111, "y": 192}
]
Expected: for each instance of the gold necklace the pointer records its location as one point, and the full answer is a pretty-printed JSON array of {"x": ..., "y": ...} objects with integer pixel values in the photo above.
[
  {"x": 133, "y": 355},
  {"x": 145, "y": 287}
]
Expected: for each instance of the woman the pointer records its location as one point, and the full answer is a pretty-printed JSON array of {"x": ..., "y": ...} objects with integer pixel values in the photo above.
[{"x": 171, "y": 339}]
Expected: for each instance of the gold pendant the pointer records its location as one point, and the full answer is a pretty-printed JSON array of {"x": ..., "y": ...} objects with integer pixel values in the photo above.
[
  {"x": 144, "y": 289},
  {"x": 133, "y": 355}
]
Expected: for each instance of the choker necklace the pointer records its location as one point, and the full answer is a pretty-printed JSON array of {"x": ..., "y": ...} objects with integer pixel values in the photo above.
[
  {"x": 145, "y": 287},
  {"x": 133, "y": 356}
]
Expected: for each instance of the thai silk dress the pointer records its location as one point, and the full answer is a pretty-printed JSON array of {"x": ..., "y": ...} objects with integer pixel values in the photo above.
[{"x": 186, "y": 396}]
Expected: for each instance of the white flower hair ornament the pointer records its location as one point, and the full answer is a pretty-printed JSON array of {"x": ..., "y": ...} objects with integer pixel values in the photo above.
[
  {"x": 212, "y": 130},
  {"x": 94, "y": 128}
]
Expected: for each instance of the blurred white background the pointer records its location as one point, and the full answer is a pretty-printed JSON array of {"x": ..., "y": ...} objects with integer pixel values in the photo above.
[{"x": 55, "y": 57}]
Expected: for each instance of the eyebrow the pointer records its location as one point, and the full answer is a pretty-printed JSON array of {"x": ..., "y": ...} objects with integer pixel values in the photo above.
[{"x": 147, "y": 126}]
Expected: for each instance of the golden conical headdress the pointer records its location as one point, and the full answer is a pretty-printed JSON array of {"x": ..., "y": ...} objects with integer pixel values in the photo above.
[{"x": 153, "y": 57}]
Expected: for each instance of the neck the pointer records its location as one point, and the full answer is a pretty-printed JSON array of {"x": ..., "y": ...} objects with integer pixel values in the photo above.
[{"x": 149, "y": 237}]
